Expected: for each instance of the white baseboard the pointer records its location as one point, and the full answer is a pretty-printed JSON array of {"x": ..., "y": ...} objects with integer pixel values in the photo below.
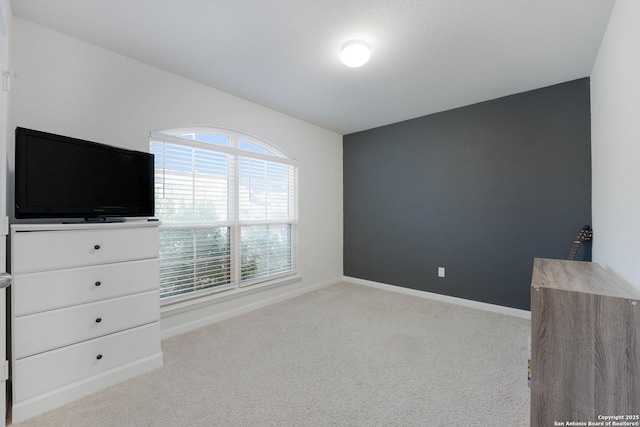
[
  {"x": 227, "y": 314},
  {"x": 523, "y": 314}
]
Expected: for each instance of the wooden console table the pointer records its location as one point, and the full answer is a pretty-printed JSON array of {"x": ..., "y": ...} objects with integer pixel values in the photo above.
[{"x": 585, "y": 344}]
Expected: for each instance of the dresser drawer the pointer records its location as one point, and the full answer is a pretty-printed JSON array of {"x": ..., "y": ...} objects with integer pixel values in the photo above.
[
  {"x": 48, "y": 371},
  {"x": 35, "y": 292},
  {"x": 50, "y": 250},
  {"x": 40, "y": 332}
]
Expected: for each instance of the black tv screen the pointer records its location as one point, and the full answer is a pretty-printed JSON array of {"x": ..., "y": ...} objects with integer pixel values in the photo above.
[{"x": 63, "y": 177}]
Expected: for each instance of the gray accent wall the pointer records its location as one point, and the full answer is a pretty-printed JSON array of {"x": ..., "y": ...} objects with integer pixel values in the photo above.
[{"x": 480, "y": 190}]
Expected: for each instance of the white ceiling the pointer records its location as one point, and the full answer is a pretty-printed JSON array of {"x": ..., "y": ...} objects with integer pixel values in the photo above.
[{"x": 428, "y": 55}]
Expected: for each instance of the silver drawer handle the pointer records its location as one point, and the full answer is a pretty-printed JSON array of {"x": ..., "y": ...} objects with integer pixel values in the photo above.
[{"x": 5, "y": 280}]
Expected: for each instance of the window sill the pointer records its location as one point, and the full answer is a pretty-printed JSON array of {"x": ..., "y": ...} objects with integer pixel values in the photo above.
[{"x": 183, "y": 305}]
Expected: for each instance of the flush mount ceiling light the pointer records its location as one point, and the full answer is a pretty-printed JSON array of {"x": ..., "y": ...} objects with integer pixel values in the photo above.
[{"x": 355, "y": 53}]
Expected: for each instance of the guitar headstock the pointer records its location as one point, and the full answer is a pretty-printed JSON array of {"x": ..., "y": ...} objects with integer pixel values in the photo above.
[{"x": 585, "y": 234}]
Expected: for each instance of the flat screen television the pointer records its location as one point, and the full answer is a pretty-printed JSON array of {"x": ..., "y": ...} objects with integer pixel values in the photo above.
[{"x": 62, "y": 177}]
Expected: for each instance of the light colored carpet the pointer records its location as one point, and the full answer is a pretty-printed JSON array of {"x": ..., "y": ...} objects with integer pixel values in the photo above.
[{"x": 344, "y": 355}]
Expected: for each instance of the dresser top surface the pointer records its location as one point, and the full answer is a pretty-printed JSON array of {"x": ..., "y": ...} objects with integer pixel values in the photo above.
[
  {"x": 83, "y": 226},
  {"x": 580, "y": 276}
]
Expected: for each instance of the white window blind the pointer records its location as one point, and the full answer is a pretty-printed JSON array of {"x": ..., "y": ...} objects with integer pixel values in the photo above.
[{"x": 228, "y": 206}]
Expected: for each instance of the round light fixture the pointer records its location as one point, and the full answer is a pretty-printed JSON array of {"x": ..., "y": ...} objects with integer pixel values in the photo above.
[{"x": 355, "y": 53}]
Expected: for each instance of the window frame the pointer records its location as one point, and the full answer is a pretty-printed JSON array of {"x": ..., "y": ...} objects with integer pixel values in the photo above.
[{"x": 233, "y": 221}]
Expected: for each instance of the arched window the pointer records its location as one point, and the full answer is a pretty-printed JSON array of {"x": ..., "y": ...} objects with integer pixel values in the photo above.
[{"x": 228, "y": 206}]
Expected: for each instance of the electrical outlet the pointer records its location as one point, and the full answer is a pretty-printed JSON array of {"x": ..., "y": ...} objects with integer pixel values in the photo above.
[{"x": 440, "y": 271}]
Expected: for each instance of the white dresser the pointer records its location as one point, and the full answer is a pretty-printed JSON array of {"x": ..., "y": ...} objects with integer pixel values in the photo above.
[{"x": 85, "y": 310}]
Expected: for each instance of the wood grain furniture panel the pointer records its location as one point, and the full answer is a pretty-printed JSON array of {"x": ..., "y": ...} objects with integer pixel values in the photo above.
[{"x": 585, "y": 343}]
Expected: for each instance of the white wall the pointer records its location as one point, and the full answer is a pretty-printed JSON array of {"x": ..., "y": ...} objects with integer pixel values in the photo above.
[
  {"x": 5, "y": 30},
  {"x": 615, "y": 140},
  {"x": 68, "y": 87}
]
